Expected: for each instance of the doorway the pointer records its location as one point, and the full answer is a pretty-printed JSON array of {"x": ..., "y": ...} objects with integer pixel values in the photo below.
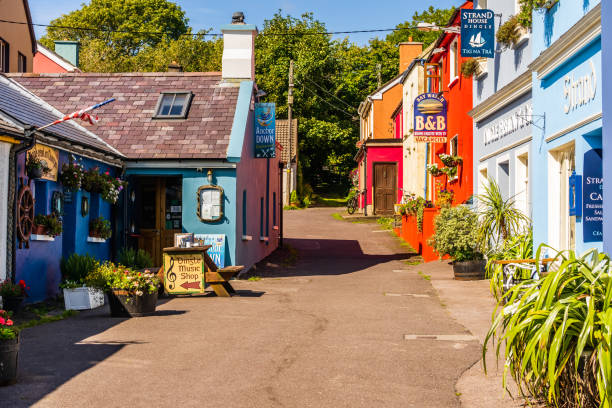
[
  {"x": 158, "y": 213},
  {"x": 385, "y": 187},
  {"x": 561, "y": 226}
]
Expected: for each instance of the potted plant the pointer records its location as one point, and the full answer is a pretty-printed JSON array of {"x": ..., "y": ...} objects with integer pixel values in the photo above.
[
  {"x": 509, "y": 33},
  {"x": 9, "y": 349},
  {"x": 77, "y": 295},
  {"x": 13, "y": 295},
  {"x": 72, "y": 175},
  {"x": 449, "y": 160},
  {"x": 103, "y": 183},
  {"x": 455, "y": 235},
  {"x": 130, "y": 293},
  {"x": 444, "y": 198},
  {"x": 470, "y": 67},
  {"x": 434, "y": 170},
  {"x": 35, "y": 167},
  {"x": 47, "y": 225},
  {"x": 450, "y": 172},
  {"x": 100, "y": 228}
]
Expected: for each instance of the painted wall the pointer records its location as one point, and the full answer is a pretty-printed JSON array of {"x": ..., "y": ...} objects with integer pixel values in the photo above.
[
  {"x": 5, "y": 149},
  {"x": 458, "y": 93},
  {"x": 43, "y": 64},
  {"x": 580, "y": 124},
  {"x": 38, "y": 266},
  {"x": 383, "y": 110},
  {"x": 16, "y": 35},
  {"x": 548, "y": 26},
  {"x": 606, "y": 51},
  {"x": 385, "y": 154},
  {"x": 508, "y": 63}
]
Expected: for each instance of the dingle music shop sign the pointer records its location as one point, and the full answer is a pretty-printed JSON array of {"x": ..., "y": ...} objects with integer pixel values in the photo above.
[{"x": 184, "y": 272}]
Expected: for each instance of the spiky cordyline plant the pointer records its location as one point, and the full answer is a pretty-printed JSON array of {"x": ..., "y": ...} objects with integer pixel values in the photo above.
[
  {"x": 557, "y": 332},
  {"x": 499, "y": 218},
  {"x": 514, "y": 248}
]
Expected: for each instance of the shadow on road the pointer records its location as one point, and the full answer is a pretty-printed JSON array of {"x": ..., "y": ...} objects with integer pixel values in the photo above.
[{"x": 53, "y": 353}]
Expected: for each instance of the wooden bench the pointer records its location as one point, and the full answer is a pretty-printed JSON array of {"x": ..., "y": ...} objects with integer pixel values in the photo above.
[{"x": 218, "y": 279}]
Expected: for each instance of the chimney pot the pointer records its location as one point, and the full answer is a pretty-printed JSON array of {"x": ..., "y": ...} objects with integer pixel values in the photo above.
[
  {"x": 238, "y": 17},
  {"x": 238, "y": 61},
  {"x": 175, "y": 67}
]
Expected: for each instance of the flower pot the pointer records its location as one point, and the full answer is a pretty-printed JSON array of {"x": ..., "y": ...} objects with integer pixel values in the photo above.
[
  {"x": 124, "y": 304},
  {"x": 13, "y": 304},
  {"x": 35, "y": 173},
  {"x": 469, "y": 270},
  {"x": 83, "y": 298},
  {"x": 39, "y": 230},
  {"x": 9, "y": 357}
]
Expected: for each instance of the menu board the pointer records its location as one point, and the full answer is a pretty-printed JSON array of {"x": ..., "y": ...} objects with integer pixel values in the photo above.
[{"x": 210, "y": 201}]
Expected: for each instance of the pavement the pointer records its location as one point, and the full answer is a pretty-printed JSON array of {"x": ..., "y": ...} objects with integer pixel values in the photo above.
[{"x": 353, "y": 323}]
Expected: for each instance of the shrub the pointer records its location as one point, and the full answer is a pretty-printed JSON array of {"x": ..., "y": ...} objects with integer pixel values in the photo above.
[
  {"x": 515, "y": 247},
  {"x": 76, "y": 268},
  {"x": 557, "y": 332},
  {"x": 9, "y": 289},
  {"x": 509, "y": 33},
  {"x": 456, "y": 230},
  {"x": 136, "y": 259},
  {"x": 470, "y": 67},
  {"x": 110, "y": 276}
]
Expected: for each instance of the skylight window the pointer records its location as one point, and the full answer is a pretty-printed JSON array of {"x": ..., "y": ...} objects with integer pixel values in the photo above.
[{"x": 173, "y": 105}]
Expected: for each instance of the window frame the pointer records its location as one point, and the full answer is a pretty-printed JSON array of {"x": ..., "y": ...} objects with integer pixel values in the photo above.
[
  {"x": 453, "y": 63},
  {"x": 184, "y": 111},
  {"x": 22, "y": 63},
  {"x": 4, "y": 56},
  {"x": 453, "y": 145}
]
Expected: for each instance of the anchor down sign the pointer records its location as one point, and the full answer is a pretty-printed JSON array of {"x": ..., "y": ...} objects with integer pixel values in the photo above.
[{"x": 477, "y": 33}]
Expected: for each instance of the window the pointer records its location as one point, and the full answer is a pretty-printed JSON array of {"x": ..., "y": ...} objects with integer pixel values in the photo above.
[
  {"x": 4, "y": 56},
  {"x": 454, "y": 146},
  {"x": 173, "y": 105},
  {"x": 521, "y": 186},
  {"x": 244, "y": 213},
  {"x": 261, "y": 218},
  {"x": 274, "y": 208},
  {"x": 454, "y": 60},
  {"x": 22, "y": 63}
]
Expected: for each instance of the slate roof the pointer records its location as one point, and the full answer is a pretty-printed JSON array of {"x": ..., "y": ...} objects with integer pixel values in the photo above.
[
  {"x": 282, "y": 136},
  {"x": 22, "y": 107},
  {"x": 128, "y": 123}
]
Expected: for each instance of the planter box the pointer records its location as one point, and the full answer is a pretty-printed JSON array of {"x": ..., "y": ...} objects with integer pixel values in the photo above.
[
  {"x": 9, "y": 358},
  {"x": 96, "y": 240},
  {"x": 122, "y": 304},
  {"x": 83, "y": 298},
  {"x": 469, "y": 270}
]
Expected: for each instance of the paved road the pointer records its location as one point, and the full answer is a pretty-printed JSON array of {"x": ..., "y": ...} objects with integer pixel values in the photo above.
[{"x": 328, "y": 332}]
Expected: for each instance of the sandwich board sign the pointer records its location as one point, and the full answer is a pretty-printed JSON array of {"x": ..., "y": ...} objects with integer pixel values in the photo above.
[
  {"x": 477, "y": 33},
  {"x": 184, "y": 270}
]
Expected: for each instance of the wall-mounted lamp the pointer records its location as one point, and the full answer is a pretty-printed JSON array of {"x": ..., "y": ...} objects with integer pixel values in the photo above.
[
  {"x": 209, "y": 176},
  {"x": 84, "y": 206},
  {"x": 133, "y": 196}
]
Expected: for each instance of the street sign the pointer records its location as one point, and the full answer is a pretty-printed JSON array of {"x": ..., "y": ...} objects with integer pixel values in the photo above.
[
  {"x": 184, "y": 270},
  {"x": 477, "y": 33},
  {"x": 592, "y": 193},
  {"x": 265, "y": 130},
  {"x": 430, "y": 118}
]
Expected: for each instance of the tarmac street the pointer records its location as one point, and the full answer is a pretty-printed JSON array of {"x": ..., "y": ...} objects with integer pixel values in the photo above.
[{"x": 351, "y": 324}]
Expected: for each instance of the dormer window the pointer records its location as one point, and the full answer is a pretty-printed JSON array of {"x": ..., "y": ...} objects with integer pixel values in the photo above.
[{"x": 173, "y": 105}]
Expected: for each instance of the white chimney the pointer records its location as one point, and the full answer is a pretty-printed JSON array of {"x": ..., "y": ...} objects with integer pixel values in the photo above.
[{"x": 238, "y": 60}]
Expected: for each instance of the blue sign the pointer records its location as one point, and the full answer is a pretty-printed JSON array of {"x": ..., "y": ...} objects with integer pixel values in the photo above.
[
  {"x": 265, "y": 130},
  {"x": 430, "y": 118},
  {"x": 575, "y": 195},
  {"x": 217, "y": 250},
  {"x": 477, "y": 33},
  {"x": 592, "y": 188}
]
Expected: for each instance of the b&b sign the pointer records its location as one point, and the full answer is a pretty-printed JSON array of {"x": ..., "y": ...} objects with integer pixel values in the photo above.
[
  {"x": 477, "y": 33},
  {"x": 265, "y": 130},
  {"x": 430, "y": 118}
]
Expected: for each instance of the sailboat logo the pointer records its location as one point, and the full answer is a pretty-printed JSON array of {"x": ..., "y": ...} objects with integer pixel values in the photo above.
[{"x": 477, "y": 41}]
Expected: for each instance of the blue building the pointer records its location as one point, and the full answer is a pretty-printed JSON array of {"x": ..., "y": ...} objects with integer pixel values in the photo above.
[
  {"x": 566, "y": 151},
  {"x": 188, "y": 142},
  {"x": 606, "y": 55},
  {"x": 503, "y": 114},
  {"x": 34, "y": 256}
]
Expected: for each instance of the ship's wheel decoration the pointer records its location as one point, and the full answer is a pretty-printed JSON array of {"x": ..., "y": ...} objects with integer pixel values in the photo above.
[{"x": 25, "y": 214}]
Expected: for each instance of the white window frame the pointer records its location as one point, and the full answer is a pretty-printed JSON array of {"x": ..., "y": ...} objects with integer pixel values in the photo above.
[
  {"x": 453, "y": 60},
  {"x": 483, "y": 177},
  {"x": 521, "y": 180},
  {"x": 184, "y": 111}
]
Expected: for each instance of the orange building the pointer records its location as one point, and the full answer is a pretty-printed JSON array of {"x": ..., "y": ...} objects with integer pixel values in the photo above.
[
  {"x": 17, "y": 41},
  {"x": 380, "y": 157}
]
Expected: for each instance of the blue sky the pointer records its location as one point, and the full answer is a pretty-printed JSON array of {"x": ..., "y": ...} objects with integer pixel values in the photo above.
[{"x": 338, "y": 15}]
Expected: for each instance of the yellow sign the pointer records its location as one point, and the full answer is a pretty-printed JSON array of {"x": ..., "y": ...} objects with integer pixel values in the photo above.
[
  {"x": 184, "y": 272},
  {"x": 50, "y": 158}
]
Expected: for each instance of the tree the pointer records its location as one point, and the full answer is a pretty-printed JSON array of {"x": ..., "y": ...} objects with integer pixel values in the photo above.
[
  {"x": 133, "y": 35},
  {"x": 405, "y": 30}
]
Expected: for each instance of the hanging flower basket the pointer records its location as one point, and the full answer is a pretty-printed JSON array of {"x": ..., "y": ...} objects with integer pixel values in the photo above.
[
  {"x": 72, "y": 176},
  {"x": 434, "y": 170},
  {"x": 450, "y": 161}
]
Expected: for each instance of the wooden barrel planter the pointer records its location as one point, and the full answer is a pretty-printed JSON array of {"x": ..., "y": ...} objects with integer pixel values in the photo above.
[
  {"x": 9, "y": 357},
  {"x": 124, "y": 304},
  {"x": 469, "y": 270}
]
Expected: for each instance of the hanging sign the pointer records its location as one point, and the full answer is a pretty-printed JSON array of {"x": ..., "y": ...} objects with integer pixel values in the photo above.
[
  {"x": 49, "y": 157},
  {"x": 592, "y": 193},
  {"x": 477, "y": 33},
  {"x": 265, "y": 130},
  {"x": 217, "y": 247},
  {"x": 430, "y": 118},
  {"x": 184, "y": 270}
]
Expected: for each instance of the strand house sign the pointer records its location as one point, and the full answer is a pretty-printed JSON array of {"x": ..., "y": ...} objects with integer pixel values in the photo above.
[
  {"x": 477, "y": 33},
  {"x": 430, "y": 118}
]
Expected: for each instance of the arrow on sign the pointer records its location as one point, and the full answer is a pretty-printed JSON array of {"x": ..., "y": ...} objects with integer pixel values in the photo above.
[{"x": 190, "y": 285}]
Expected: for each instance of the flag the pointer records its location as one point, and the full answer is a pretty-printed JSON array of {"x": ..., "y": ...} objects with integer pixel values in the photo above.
[{"x": 82, "y": 114}]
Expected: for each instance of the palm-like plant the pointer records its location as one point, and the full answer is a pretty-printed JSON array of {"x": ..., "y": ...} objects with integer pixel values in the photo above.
[
  {"x": 499, "y": 218},
  {"x": 557, "y": 332},
  {"x": 515, "y": 247}
]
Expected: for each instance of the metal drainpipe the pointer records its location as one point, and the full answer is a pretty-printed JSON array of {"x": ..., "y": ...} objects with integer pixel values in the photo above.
[
  {"x": 280, "y": 202},
  {"x": 365, "y": 179},
  {"x": 126, "y": 228},
  {"x": 426, "y": 160},
  {"x": 28, "y": 134}
]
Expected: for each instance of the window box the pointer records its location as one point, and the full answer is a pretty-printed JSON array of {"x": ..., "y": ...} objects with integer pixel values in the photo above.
[
  {"x": 36, "y": 237},
  {"x": 96, "y": 240},
  {"x": 83, "y": 298}
]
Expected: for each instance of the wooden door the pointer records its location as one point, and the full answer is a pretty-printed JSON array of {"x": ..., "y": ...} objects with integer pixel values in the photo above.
[
  {"x": 160, "y": 214},
  {"x": 385, "y": 185}
]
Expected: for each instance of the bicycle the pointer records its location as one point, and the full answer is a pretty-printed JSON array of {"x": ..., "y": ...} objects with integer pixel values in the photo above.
[{"x": 353, "y": 202}]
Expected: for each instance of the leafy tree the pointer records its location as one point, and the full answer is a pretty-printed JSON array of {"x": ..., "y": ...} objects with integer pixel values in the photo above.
[{"x": 405, "y": 30}]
